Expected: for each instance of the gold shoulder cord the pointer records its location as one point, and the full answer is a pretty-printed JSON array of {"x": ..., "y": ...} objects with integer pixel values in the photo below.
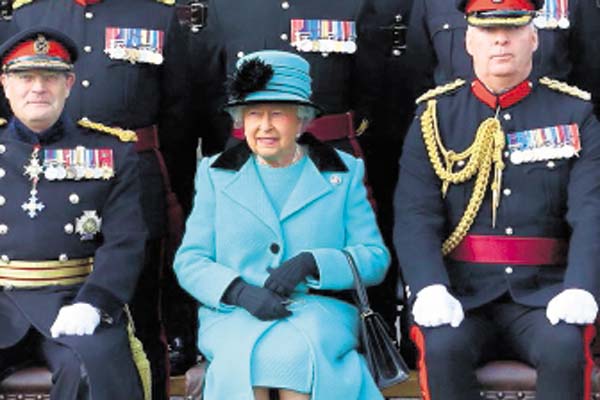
[
  {"x": 167, "y": 2},
  {"x": 139, "y": 357},
  {"x": 124, "y": 135},
  {"x": 565, "y": 88},
  {"x": 486, "y": 149},
  {"x": 443, "y": 89},
  {"x": 3, "y": 122}
]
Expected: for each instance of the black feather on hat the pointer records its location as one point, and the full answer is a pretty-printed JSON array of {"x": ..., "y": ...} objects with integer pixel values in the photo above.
[{"x": 253, "y": 75}]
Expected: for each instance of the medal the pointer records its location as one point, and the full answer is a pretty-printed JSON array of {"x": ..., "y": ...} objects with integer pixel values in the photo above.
[{"x": 88, "y": 225}]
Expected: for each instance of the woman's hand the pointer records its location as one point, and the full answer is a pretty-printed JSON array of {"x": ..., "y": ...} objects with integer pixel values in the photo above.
[
  {"x": 284, "y": 279},
  {"x": 260, "y": 302}
]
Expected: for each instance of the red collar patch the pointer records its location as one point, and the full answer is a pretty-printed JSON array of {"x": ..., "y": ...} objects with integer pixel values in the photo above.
[
  {"x": 87, "y": 2},
  {"x": 506, "y": 99}
]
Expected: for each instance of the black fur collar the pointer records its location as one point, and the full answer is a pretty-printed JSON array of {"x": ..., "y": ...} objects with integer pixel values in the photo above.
[{"x": 325, "y": 158}]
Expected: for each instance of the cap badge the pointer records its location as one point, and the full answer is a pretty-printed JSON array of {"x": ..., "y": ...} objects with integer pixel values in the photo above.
[{"x": 41, "y": 46}]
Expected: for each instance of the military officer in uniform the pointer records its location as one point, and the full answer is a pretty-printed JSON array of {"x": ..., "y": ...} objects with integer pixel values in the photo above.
[
  {"x": 498, "y": 216},
  {"x": 567, "y": 46},
  {"x": 68, "y": 263},
  {"x": 132, "y": 77}
]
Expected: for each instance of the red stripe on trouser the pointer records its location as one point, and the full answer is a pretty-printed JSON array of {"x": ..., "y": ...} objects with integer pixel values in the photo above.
[
  {"x": 419, "y": 340},
  {"x": 589, "y": 332}
]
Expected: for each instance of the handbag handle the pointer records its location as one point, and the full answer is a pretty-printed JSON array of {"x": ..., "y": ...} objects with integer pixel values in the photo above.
[{"x": 361, "y": 292}]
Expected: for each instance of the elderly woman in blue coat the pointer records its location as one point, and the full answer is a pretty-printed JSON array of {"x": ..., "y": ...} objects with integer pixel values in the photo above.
[{"x": 263, "y": 246}]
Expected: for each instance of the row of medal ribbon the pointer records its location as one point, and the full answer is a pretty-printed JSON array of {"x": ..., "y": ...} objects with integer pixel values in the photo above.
[
  {"x": 555, "y": 14},
  {"x": 323, "y": 35},
  {"x": 78, "y": 163},
  {"x": 542, "y": 144},
  {"x": 134, "y": 45}
]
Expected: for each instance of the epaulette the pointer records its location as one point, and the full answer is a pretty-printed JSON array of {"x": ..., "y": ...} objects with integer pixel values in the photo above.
[
  {"x": 566, "y": 88},
  {"x": 124, "y": 135},
  {"x": 19, "y": 3},
  {"x": 3, "y": 122},
  {"x": 443, "y": 89},
  {"x": 167, "y": 2}
]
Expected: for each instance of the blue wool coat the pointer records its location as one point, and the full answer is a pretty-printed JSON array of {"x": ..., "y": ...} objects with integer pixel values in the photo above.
[{"x": 233, "y": 231}]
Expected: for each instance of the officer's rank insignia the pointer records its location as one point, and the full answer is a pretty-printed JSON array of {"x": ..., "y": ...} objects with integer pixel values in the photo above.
[
  {"x": 78, "y": 163},
  {"x": 33, "y": 170},
  {"x": 134, "y": 45},
  {"x": 554, "y": 142},
  {"x": 88, "y": 225},
  {"x": 323, "y": 36},
  {"x": 554, "y": 15}
]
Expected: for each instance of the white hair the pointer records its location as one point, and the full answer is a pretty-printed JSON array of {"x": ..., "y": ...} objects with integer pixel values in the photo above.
[{"x": 305, "y": 114}]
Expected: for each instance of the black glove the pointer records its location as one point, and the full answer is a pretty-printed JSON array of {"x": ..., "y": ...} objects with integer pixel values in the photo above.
[
  {"x": 284, "y": 279},
  {"x": 260, "y": 302}
]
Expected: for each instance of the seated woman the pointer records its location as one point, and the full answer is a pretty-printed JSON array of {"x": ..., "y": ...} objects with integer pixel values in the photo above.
[{"x": 270, "y": 220}]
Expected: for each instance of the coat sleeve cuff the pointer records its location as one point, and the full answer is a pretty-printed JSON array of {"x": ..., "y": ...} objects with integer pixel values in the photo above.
[{"x": 100, "y": 298}]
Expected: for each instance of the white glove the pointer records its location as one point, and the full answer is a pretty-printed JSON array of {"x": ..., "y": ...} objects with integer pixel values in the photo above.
[
  {"x": 435, "y": 306},
  {"x": 574, "y": 306},
  {"x": 76, "y": 319}
]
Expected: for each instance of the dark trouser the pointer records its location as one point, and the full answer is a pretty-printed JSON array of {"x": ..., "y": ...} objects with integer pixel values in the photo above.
[
  {"x": 146, "y": 316},
  {"x": 69, "y": 379},
  {"x": 504, "y": 330}
]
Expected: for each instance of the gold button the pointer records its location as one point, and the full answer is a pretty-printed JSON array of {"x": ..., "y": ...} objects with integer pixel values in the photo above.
[
  {"x": 509, "y": 231},
  {"x": 507, "y": 117},
  {"x": 240, "y": 54},
  {"x": 446, "y": 26},
  {"x": 74, "y": 198},
  {"x": 551, "y": 164},
  {"x": 507, "y": 191},
  {"x": 89, "y": 15},
  {"x": 508, "y": 270},
  {"x": 2, "y": 149},
  {"x": 2, "y": 172},
  {"x": 285, "y": 5},
  {"x": 3, "y": 229},
  {"x": 4, "y": 258},
  {"x": 85, "y": 83},
  {"x": 2, "y": 201},
  {"x": 461, "y": 163},
  {"x": 63, "y": 257},
  {"x": 87, "y": 49},
  {"x": 284, "y": 36}
]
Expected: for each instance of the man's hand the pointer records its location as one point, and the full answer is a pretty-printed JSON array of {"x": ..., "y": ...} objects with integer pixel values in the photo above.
[
  {"x": 574, "y": 306},
  {"x": 435, "y": 306},
  {"x": 77, "y": 319},
  {"x": 284, "y": 279},
  {"x": 260, "y": 302}
]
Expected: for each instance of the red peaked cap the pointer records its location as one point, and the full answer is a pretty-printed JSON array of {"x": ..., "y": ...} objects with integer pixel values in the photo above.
[{"x": 471, "y": 6}]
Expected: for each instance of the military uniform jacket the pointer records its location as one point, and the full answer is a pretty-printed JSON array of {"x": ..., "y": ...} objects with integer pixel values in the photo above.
[
  {"x": 128, "y": 94},
  {"x": 557, "y": 198},
  {"x": 53, "y": 235},
  {"x": 341, "y": 81},
  {"x": 436, "y": 46}
]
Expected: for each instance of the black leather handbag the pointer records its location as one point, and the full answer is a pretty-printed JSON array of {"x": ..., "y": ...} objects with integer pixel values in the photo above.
[{"x": 383, "y": 357}]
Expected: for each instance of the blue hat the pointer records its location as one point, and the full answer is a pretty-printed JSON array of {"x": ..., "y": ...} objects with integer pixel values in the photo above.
[
  {"x": 38, "y": 48},
  {"x": 271, "y": 76}
]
